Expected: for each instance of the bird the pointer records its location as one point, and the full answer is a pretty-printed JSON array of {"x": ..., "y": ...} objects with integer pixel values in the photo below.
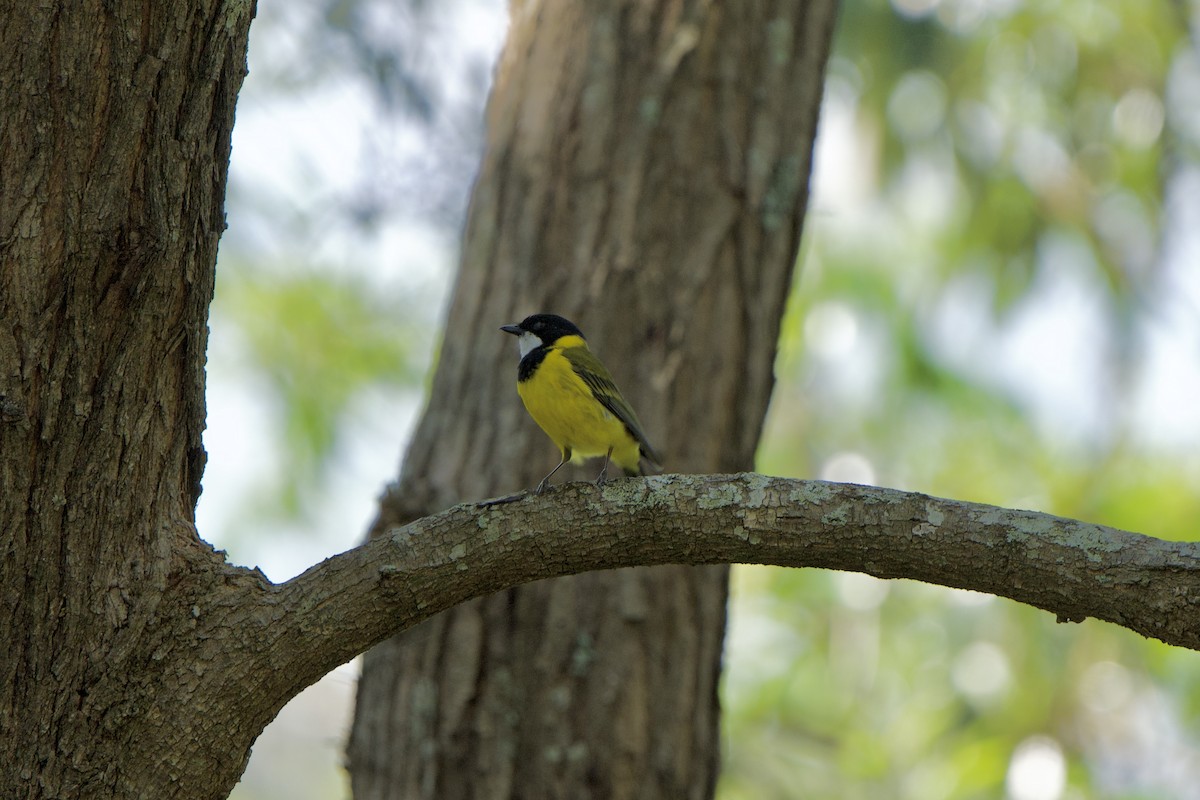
[{"x": 573, "y": 398}]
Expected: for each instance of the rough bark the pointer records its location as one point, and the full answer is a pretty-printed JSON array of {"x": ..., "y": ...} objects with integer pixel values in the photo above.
[
  {"x": 646, "y": 176},
  {"x": 114, "y": 142}
]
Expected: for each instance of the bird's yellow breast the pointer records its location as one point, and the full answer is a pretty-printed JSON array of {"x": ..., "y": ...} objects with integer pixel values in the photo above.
[{"x": 565, "y": 408}]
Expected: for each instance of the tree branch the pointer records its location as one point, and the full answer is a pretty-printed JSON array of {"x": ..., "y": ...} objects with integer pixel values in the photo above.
[{"x": 1070, "y": 568}]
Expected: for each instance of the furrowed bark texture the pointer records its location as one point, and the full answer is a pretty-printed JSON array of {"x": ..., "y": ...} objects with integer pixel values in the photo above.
[
  {"x": 646, "y": 176},
  {"x": 114, "y": 143}
]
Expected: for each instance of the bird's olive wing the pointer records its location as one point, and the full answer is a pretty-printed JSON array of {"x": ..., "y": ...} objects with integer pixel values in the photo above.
[{"x": 597, "y": 378}]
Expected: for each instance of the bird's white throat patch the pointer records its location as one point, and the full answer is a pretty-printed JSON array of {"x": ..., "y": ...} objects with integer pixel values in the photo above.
[{"x": 528, "y": 342}]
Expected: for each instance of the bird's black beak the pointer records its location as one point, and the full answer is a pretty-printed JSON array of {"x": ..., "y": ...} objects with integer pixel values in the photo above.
[{"x": 515, "y": 330}]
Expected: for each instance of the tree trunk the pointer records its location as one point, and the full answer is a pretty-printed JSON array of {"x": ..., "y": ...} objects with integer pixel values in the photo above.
[
  {"x": 114, "y": 143},
  {"x": 646, "y": 176}
]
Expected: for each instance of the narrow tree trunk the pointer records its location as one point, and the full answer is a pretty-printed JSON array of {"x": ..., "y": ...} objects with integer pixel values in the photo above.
[
  {"x": 115, "y": 119},
  {"x": 646, "y": 176}
]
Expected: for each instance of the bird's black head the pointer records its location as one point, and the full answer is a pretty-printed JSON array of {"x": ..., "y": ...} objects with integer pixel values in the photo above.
[
  {"x": 540, "y": 330},
  {"x": 547, "y": 328}
]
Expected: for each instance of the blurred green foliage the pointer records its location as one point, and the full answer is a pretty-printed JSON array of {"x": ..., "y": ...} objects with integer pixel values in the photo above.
[
  {"x": 314, "y": 343},
  {"x": 990, "y": 152}
]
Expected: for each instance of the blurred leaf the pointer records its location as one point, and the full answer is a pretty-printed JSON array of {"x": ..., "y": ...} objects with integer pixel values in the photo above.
[
  {"x": 318, "y": 342},
  {"x": 1000, "y": 150}
]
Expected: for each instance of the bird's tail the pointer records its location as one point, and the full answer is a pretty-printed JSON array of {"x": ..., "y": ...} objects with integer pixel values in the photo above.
[{"x": 648, "y": 464}]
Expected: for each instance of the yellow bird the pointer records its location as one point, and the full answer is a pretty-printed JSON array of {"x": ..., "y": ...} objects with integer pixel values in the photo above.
[{"x": 571, "y": 397}]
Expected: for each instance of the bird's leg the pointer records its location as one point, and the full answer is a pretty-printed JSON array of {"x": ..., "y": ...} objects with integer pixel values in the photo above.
[
  {"x": 541, "y": 487},
  {"x": 604, "y": 470}
]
